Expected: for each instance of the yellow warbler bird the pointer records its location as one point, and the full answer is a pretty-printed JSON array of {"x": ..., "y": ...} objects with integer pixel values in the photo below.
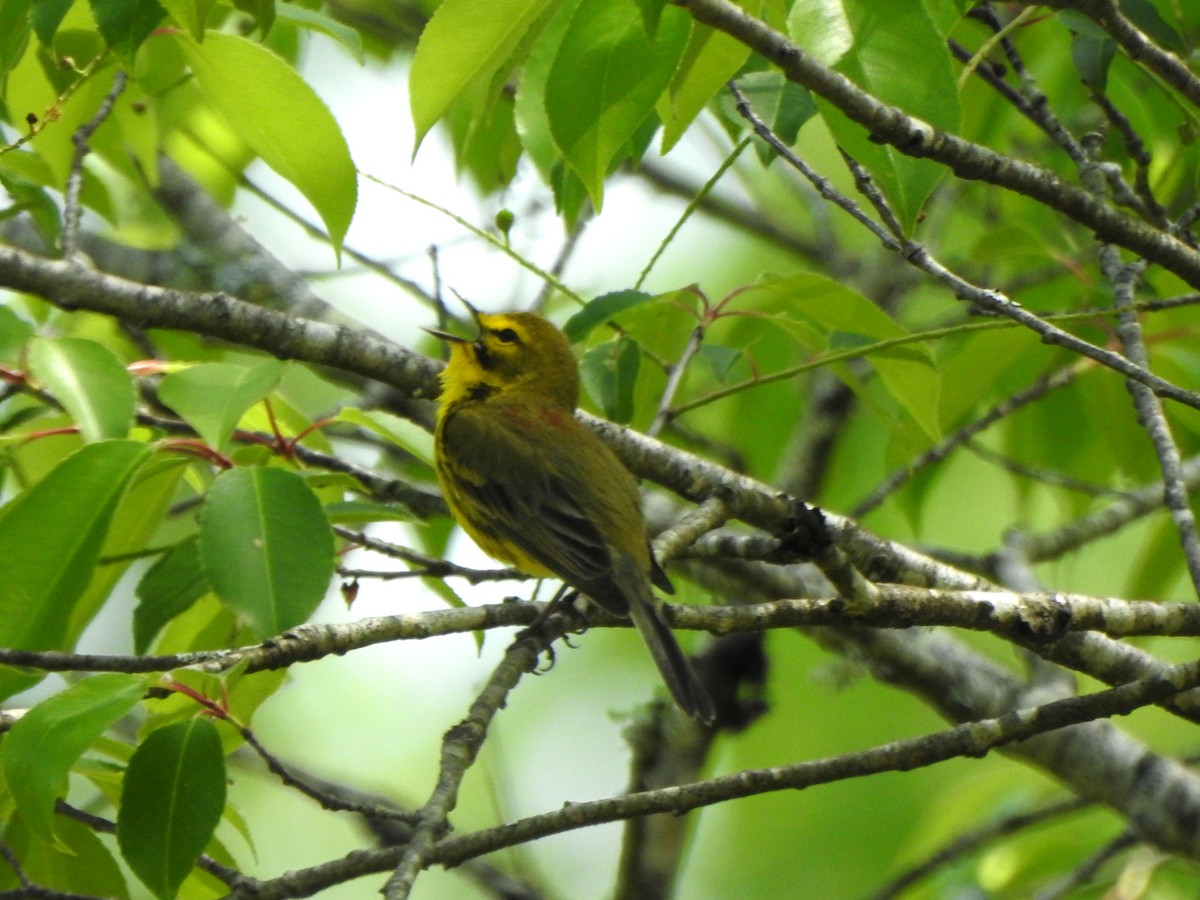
[{"x": 538, "y": 490}]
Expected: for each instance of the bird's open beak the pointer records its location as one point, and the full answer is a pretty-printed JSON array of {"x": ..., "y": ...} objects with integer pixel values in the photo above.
[
  {"x": 454, "y": 338},
  {"x": 446, "y": 336}
]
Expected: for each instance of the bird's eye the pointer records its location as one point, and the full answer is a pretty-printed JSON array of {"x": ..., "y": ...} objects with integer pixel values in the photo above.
[{"x": 506, "y": 336}]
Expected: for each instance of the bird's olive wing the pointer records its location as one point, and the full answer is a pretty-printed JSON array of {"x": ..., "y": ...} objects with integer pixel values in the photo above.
[{"x": 522, "y": 491}]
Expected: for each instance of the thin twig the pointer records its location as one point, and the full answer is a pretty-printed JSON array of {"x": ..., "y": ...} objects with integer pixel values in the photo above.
[
  {"x": 693, "y": 204},
  {"x": 1150, "y": 412},
  {"x": 460, "y": 746},
  {"x": 961, "y": 437},
  {"x": 72, "y": 208},
  {"x": 989, "y": 300},
  {"x": 675, "y": 375},
  {"x": 974, "y": 840}
]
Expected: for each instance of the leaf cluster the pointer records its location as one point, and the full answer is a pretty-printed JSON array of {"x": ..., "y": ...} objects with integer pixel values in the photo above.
[{"x": 949, "y": 299}]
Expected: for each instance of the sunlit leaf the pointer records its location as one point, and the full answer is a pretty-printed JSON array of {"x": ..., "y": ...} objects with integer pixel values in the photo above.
[
  {"x": 42, "y": 745},
  {"x": 462, "y": 46},
  {"x": 89, "y": 381},
  {"x": 213, "y": 397},
  {"x": 281, "y": 119},
  {"x": 604, "y": 84},
  {"x": 50, "y": 539}
]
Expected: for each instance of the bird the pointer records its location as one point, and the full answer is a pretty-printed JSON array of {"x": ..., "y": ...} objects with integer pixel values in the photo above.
[{"x": 538, "y": 490}]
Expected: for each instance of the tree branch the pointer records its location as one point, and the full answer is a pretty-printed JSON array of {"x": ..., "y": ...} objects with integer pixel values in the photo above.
[{"x": 968, "y": 160}]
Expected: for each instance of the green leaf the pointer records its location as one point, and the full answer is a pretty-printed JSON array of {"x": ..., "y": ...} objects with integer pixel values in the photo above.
[
  {"x": 213, "y": 397},
  {"x": 533, "y": 125},
  {"x": 1145, "y": 15},
  {"x": 42, "y": 745},
  {"x": 710, "y": 60},
  {"x": 89, "y": 381},
  {"x": 348, "y": 37},
  {"x": 811, "y": 306},
  {"x": 462, "y": 47},
  {"x": 821, "y": 29},
  {"x": 1092, "y": 56},
  {"x": 404, "y": 433},
  {"x": 727, "y": 363},
  {"x": 50, "y": 539},
  {"x": 889, "y": 36},
  {"x": 168, "y": 588},
  {"x": 33, "y": 199},
  {"x": 192, "y": 15},
  {"x": 486, "y": 144},
  {"x": 171, "y": 803},
  {"x": 651, "y": 11},
  {"x": 266, "y": 546},
  {"x": 46, "y": 16},
  {"x": 79, "y": 864},
  {"x": 356, "y": 512},
  {"x": 125, "y": 24},
  {"x": 14, "y": 332},
  {"x": 261, "y": 12},
  {"x": 609, "y": 372},
  {"x": 15, "y": 29},
  {"x": 138, "y": 516},
  {"x": 280, "y": 118},
  {"x": 604, "y": 84},
  {"x": 600, "y": 310}
]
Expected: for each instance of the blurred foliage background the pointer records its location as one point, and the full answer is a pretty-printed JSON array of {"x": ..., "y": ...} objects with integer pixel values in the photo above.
[{"x": 359, "y": 164}]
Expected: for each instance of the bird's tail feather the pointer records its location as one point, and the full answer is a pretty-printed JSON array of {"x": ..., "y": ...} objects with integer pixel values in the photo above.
[{"x": 676, "y": 671}]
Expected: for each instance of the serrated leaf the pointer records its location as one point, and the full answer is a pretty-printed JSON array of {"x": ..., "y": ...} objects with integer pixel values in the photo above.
[
  {"x": 462, "y": 47},
  {"x": 266, "y": 546},
  {"x": 89, "y": 381},
  {"x": 171, "y": 803},
  {"x": 604, "y": 83},
  {"x": 600, "y": 310},
  {"x": 213, "y": 397},
  {"x": 168, "y": 588},
  {"x": 50, "y": 540},
  {"x": 42, "y": 745},
  {"x": 280, "y": 118}
]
